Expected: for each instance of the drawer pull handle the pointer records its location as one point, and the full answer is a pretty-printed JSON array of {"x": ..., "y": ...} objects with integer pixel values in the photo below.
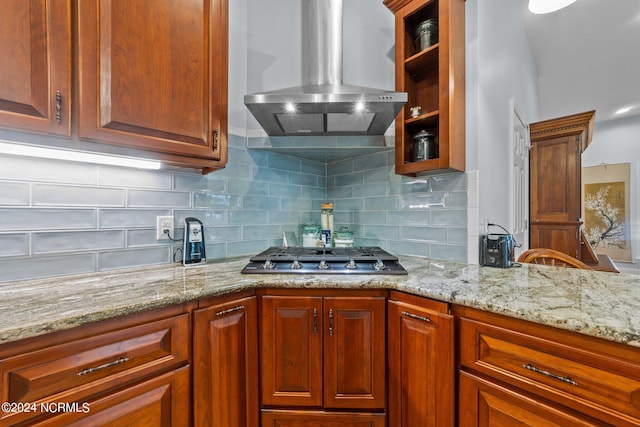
[
  {"x": 415, "y": 316},
  {"x": 567, "y": 380},
  {"x": 87, "y": 371},
  {"x": 231, "y": 310}
]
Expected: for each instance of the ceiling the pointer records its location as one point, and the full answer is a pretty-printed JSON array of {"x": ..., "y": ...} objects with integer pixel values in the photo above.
[{"x": 588, "y": 58}]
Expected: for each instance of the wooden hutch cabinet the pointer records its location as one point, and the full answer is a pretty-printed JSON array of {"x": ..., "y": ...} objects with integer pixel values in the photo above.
[
  {"x": 433, "y": 75},
  {"x": 556, "y": 183}
]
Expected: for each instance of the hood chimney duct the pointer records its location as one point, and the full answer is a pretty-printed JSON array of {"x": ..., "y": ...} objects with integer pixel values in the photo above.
[{"x": 322, "y": 42}]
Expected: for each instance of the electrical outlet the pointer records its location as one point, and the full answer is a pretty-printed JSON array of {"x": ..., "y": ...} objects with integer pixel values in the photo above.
[{"x": 164, "y": 223}]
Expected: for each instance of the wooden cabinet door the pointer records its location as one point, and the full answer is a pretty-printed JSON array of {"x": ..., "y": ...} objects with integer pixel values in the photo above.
[
  {"x": 291, "y": 351},
  {"x": 561, "y": 237},
  {"x": 421, "y": 366},
  {"x": 354, "y": 353},
  {"x": 555, "y": 179},
  {"x": 484, "y": 404},
  {"x": 35, "y": 65},
  {"x": 226, "y": 364},
  {"x": 153, "y": 75},
  {"x": 161, "y": 401},
  {"x": 272, "y": 418}
]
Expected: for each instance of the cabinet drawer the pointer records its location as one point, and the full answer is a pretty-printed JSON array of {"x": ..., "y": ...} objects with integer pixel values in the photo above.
[
  {"x": 595, "y": 383},
  {"x": 487, "y": 404},
  {"x": 85, "y": 367},
  {"x": 159, "y": 401},
  {"x": 275, "y": 418}
]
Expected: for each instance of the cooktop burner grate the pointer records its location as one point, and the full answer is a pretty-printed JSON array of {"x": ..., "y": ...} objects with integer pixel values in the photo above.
[{"x": 296, "y": 260}]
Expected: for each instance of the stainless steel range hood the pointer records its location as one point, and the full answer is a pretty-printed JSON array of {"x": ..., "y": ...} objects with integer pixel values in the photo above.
[{"x": 323, "y": 105}]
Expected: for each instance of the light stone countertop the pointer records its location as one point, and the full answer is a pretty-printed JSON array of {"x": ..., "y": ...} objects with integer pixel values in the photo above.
[{"x": 603, "y": 305}]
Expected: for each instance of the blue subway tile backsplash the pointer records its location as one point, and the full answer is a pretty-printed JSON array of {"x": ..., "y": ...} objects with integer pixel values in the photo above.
[
  {"x": 71, "y": 241},
  {"x": 14, "y": 244},
  {"x": 14, "y": 194},
  {"x": 59, "y": 218},
  {"x": 67, "y": 195}
]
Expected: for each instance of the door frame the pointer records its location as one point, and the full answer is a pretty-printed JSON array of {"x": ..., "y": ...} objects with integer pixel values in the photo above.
[{"x": 518, "y": 179}]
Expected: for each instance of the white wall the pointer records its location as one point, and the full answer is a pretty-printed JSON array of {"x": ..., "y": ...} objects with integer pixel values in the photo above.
[
  {"x": 504, "y": 69},
  {"x": 616, "y": 141},
  {"x": 237, "y": 66},
  {"x": 368, "y": 44}
]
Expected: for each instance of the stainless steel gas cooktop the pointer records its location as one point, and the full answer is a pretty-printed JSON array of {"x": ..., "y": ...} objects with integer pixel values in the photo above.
[{"x": 358, "y": 260}]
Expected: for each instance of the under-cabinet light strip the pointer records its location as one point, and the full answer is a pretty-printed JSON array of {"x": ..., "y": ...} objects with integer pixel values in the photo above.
[{"x": 75, "y": 156}]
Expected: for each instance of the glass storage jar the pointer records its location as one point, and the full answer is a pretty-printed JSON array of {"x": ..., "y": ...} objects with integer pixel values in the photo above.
[
  {"x": 424, "y": 146},
  {"x": 310, "y": 232},
  {"x": 343, "y": 238},
  {"x": 426, "y": 34}
]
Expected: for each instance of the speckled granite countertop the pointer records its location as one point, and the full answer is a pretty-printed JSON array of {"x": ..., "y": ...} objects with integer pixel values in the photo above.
[{"x": 599, "y": 304}]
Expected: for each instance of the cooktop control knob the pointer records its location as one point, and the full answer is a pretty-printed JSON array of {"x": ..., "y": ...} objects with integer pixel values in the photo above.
[
  {"x": 379, "y": 265},
  {"x": 323, "y": 265},
  {"x": 296, "y": 264},
  {"x": 268, "y": 265},
  {"x": 351, "y": 265}
]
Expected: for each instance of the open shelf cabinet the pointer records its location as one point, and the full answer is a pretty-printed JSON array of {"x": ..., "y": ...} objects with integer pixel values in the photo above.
[{"x": 433, "y": 77}]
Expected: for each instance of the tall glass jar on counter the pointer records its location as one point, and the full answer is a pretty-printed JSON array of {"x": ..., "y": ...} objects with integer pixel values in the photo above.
[{"x": 326, "y": 222}]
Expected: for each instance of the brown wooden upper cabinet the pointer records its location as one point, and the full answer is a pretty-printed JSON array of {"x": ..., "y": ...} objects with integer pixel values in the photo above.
[
  {"x": 153, "y": 75},
  {"x": 35, "y": 65},
  {"x": 430, "y": 67}
]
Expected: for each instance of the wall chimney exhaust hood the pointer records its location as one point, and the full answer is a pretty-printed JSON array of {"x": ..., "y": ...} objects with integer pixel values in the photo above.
[{"x": 323, "y": 105}]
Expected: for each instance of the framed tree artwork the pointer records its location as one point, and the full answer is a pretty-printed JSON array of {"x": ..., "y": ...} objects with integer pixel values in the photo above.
[{"x": 605, "y": 209}]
